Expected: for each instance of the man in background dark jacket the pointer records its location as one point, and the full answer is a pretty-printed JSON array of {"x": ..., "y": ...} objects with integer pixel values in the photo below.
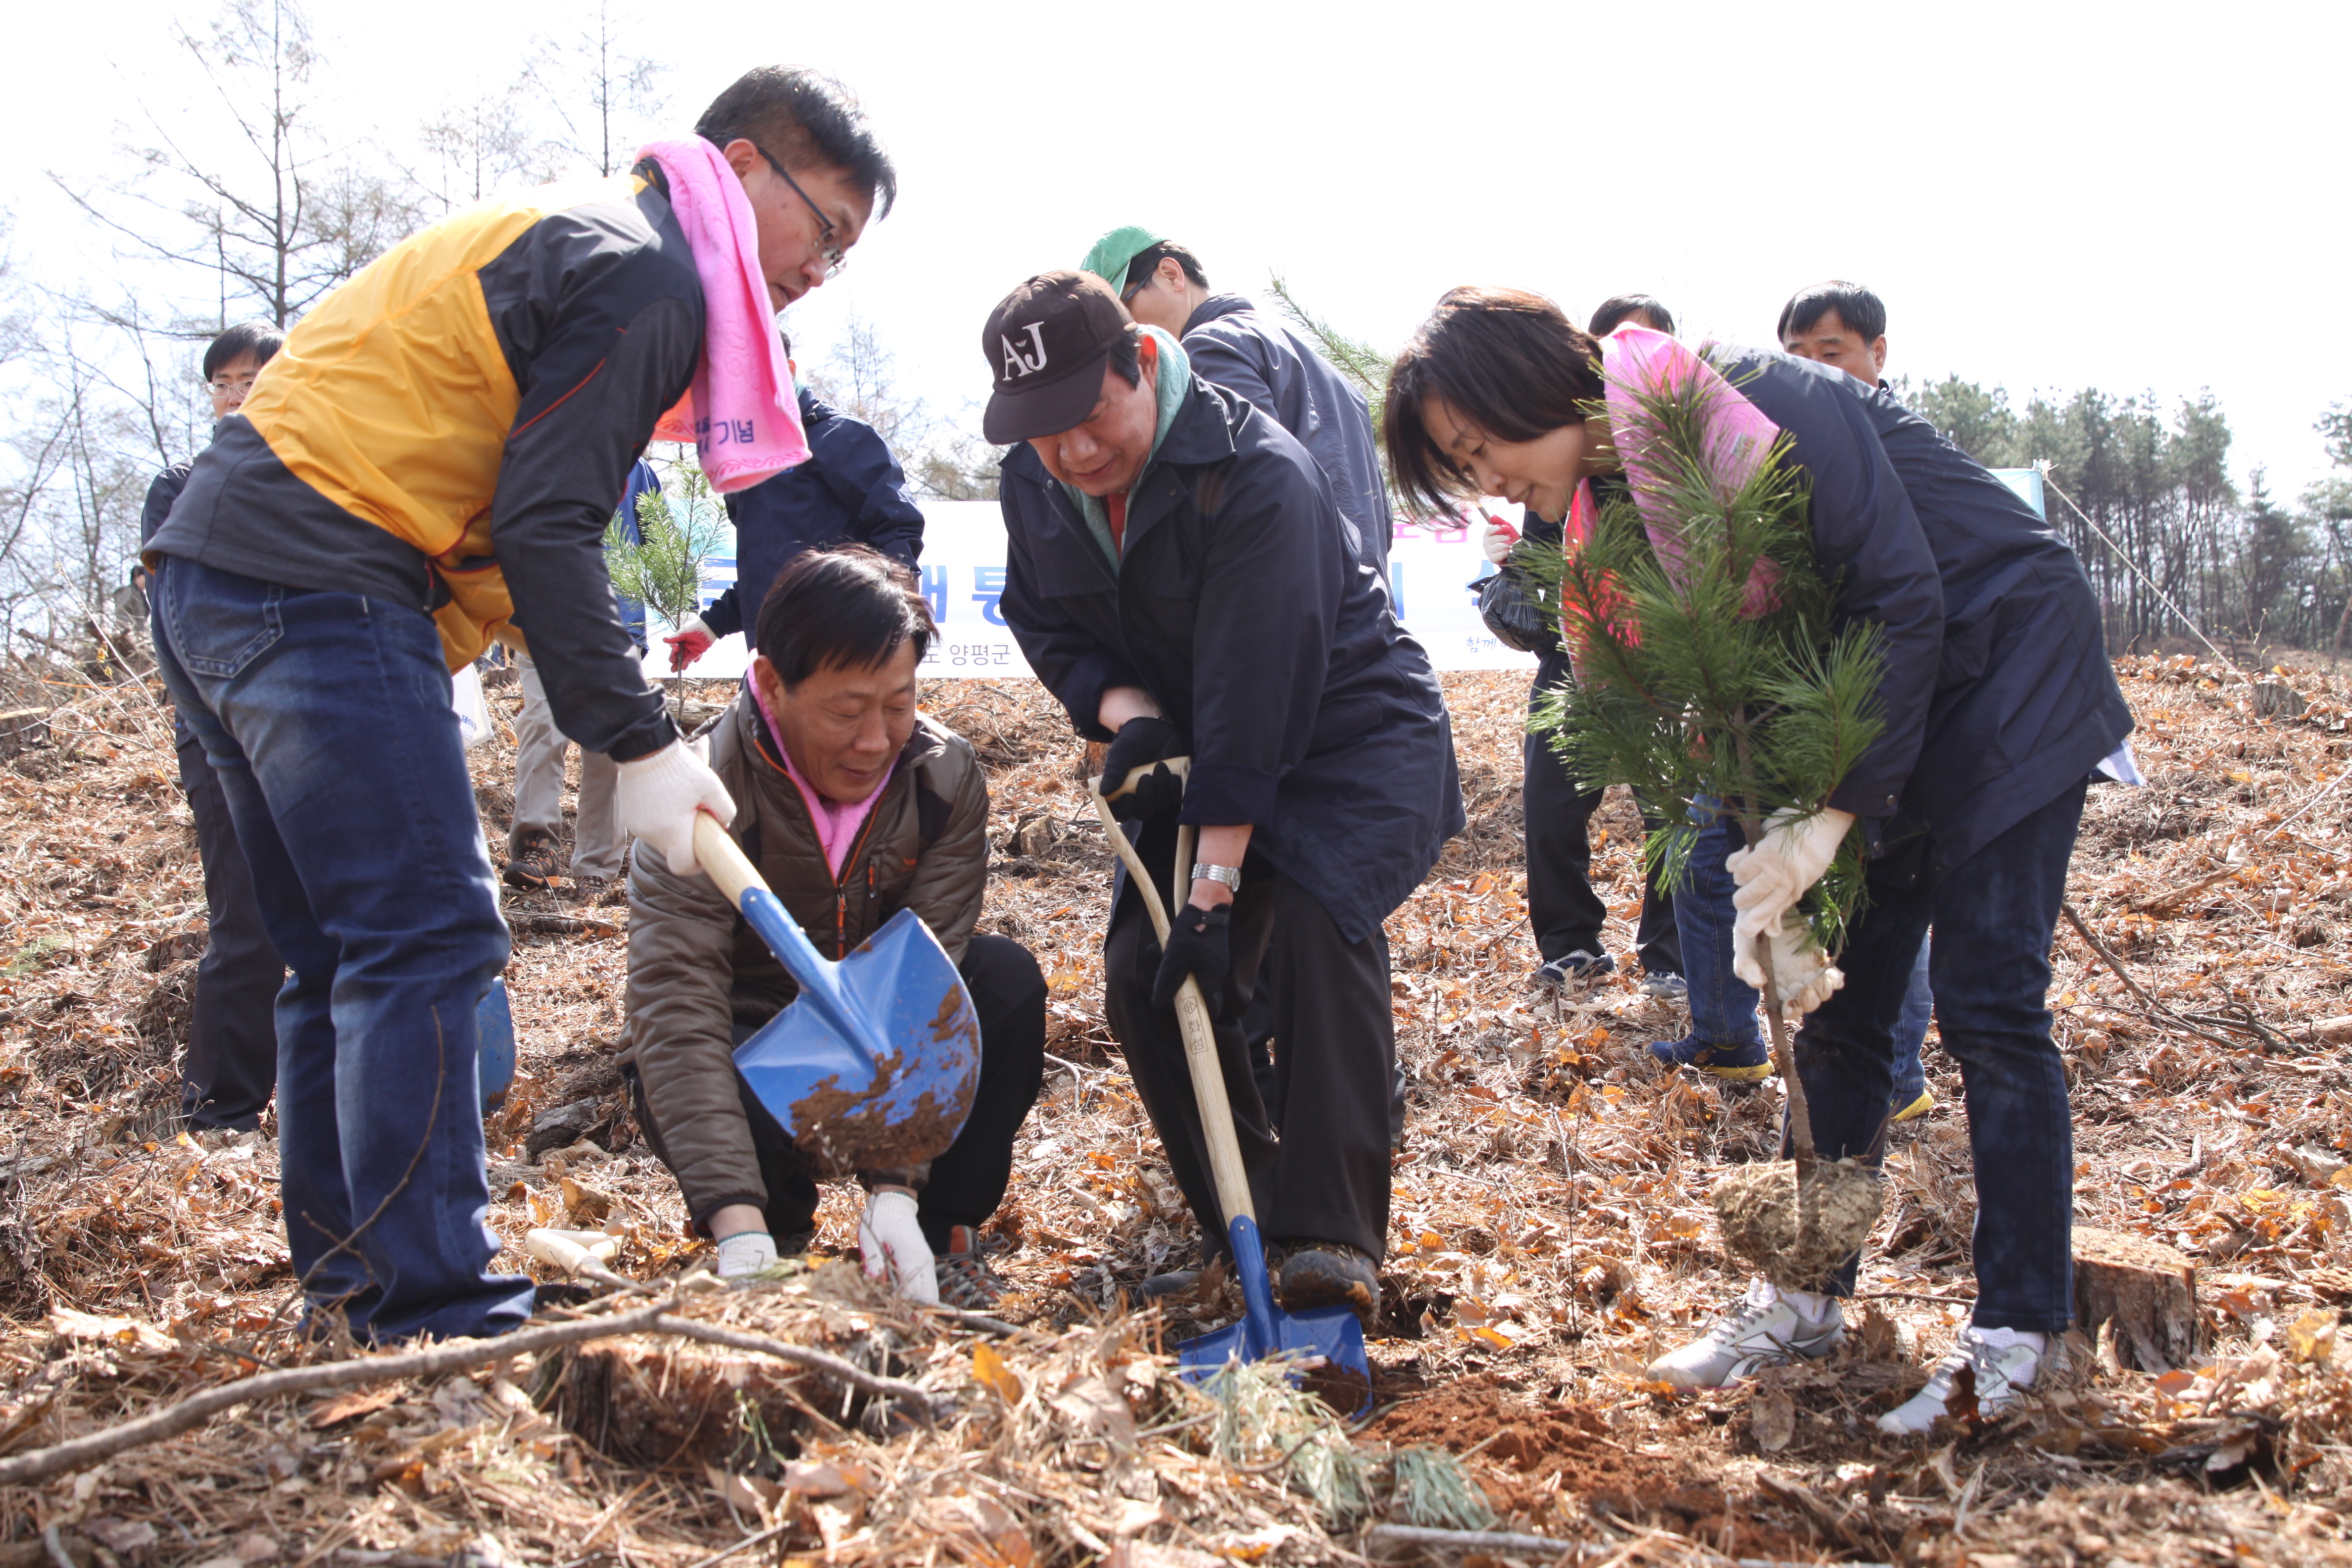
[
  {"x": 232, "y": 1061},
  {"x": 850, "y": 492},
  {"x": 1179, "y": 578},
  {"x": 1233, "y": 345}
]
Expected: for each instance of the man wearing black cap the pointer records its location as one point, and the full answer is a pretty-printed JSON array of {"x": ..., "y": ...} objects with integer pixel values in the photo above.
[{"x": 1179, "y": 576}]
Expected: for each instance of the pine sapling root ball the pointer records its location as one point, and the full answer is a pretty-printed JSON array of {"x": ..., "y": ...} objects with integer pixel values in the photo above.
[{"x": 1798, "y": 1245}]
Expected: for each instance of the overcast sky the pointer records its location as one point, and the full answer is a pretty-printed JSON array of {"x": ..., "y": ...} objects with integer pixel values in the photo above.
[{"x": 2048, "y": 195}]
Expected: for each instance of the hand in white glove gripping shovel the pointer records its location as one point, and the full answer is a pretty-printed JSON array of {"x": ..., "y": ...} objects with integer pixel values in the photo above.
[
  {"x": 659, "y": 793},
  {"x": 1772, "y": 874}
]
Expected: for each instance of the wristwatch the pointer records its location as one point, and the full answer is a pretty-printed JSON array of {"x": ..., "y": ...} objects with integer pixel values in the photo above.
[{"x": 1231, "y": 875}]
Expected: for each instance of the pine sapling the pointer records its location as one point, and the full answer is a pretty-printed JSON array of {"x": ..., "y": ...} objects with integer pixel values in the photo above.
[
  {"x": 662, "y": 567},
  {"x": 1710, "y": 676}
]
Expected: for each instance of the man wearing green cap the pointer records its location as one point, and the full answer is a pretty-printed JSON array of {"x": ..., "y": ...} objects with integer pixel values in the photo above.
[{"x": 1234, "y": 345}]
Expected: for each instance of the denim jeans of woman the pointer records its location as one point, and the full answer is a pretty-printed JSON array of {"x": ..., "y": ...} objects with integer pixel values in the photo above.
[
  {"x": 1994, "y": 916},
  {"x": 327, "y": 719}
]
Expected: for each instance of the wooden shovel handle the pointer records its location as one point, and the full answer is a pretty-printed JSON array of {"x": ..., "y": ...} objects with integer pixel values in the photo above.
[
  {"x": 1192, "y": 1018},
  {"x": 724, "y": 861}
]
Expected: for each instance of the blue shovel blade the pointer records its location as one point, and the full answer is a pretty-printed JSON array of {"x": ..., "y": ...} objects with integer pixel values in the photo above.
[
  {"x": 496, "y": 1065},
  {"x": 1320, "y": 1336},
  {"x": 887, "y": 1080}
]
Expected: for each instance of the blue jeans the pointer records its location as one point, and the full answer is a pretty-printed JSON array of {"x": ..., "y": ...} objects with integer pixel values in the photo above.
[
  {"x": 327, "y": 719},
  {"x": 1994, "y": 916},
  {"x": 1723, "y": 1006}
]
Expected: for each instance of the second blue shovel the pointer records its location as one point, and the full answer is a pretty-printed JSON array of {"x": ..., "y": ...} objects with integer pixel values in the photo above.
[{"x": 872, "y": 1066}]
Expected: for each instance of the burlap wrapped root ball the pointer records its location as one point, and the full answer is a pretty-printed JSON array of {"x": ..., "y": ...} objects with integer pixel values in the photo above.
[{"x": 1798, "y": 1245}]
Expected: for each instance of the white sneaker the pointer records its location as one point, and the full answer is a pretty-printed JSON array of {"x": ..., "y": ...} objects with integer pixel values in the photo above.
[
  {"x": 1764, "y": 1328},
  {"x": 2003, "y": 1361}
]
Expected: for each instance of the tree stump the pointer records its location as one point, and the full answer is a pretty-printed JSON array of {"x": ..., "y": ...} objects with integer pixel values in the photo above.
[{"x": 2146, "y": 1290}]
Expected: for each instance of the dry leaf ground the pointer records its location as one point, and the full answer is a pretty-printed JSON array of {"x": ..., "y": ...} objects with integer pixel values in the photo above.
[{"x": 1552, "y": 1228}]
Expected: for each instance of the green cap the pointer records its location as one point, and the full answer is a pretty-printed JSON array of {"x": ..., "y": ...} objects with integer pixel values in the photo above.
[{"x": 1109, "y": 258}]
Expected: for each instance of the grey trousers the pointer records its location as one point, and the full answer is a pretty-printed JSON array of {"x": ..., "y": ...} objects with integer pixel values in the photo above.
[{"x": 596, "y": 843}]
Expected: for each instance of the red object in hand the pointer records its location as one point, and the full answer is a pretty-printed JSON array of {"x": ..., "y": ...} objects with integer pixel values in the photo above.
[
  {"x": 1499, "y": 526},
  {"x": 687, "y": 647}
]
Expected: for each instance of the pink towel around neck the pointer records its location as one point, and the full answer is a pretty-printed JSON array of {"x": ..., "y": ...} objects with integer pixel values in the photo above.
[
  {"x": 742, "y": 412},
  {"x": 1637, "y": 361}
]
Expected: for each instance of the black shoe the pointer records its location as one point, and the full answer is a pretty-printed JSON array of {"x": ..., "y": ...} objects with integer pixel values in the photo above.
[
  {"x": 1574, "y": 969},
  {"x": 533, "y": 863},
  {"x": 1327, "y": 1274},
  {"x": 965, "y": 1278}
]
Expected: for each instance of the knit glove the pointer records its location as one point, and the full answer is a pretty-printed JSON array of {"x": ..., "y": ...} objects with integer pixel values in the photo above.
[
  {"x": 659, "y": 793},
  {"x": 1200, "y": 944},
  {"x": 891, "y": 1246},
  {"x": 1774, "y": 872},
  {"x": 692, "y": 641},
  {"x": 746, "y": 1253},
  {"x": 1145, "y": 743},
  {"x": 1802, "y": 975}
]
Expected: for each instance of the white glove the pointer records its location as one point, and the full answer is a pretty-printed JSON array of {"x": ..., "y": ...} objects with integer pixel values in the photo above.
[
  {"x": 659, "y": 793},
  {"x": 1495, "y": 537},
  {"x": 1774, "y": 873},
  {"x": 746, "y": 1253},
  {"x": 891, "y": 1245},
  {"x": 1802, "y": 975}
]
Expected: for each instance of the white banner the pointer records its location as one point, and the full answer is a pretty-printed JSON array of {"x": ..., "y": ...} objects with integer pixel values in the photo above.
[{"x": 963, "y": 577}]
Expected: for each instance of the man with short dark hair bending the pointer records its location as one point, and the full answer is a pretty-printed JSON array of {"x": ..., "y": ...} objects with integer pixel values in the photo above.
[
  {"x": 853, "y": 807},
  {"x": 1180, "y": 577}
]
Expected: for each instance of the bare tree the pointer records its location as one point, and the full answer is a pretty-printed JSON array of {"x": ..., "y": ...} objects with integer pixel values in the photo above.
[
  {"x": 604, "y": 96},
  {"x": 278, "y": 222},
  {"x": 474, "y": 147}
]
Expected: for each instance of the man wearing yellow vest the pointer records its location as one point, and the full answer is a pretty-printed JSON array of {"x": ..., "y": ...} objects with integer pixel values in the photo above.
[{"x": 428, "y": 465}]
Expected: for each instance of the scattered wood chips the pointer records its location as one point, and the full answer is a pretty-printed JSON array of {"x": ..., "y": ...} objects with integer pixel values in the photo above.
[{"x": 1551, "y": 1232}]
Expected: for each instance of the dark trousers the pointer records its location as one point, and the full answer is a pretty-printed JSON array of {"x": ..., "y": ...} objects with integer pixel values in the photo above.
[
  {"x": 967, "y": 1182},
  {"x": 1565, "y": 911},
  {"x": 1328, "y": 1178},
  {"x": 327, "y": 719},
  {"x": 232, "y": 1060},
  {"x": 1994, "y": 916}
]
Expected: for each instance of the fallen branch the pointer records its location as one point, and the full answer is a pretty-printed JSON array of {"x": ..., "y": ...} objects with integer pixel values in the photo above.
[
  {"x": 2157, "y": 1011},
  {"x": 78, "y": 1453},
  {"x": 1467, "y": 1540}
]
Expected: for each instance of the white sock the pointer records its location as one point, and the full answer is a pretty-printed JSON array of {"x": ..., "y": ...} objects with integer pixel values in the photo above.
[{"x": 1813, "y": 1306}]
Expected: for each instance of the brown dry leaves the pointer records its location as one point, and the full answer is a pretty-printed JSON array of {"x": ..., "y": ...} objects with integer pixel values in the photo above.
[{"x": 1550, "y": 1224}]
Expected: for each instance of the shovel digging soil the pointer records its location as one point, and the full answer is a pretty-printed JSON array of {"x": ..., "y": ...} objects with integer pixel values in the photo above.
[
  {"x": 1326, "y": 1344},
  {"x": 1796, "y": 1221},
  {"x": 872, "y": 1066}
]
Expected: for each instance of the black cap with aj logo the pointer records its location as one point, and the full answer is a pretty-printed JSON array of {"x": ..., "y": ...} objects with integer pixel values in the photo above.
[{"x": 1047, "y": 342}]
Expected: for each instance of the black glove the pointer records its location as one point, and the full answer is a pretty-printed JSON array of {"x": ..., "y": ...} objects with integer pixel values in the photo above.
[
  {"x": 1200, "y": 944},
  {"x": 1159, "y": 794}
]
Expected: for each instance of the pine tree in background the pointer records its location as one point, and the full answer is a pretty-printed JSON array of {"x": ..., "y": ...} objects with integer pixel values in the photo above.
[{"x": 662, "y": 568}]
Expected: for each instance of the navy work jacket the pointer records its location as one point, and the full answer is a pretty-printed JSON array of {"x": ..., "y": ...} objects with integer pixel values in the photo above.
[
  {"x": 1997, "y": 693},
  {"x": 850, "y": 492},
  {"x": 1233, "y": 344},
  {"x": 1241, "y": 606}
]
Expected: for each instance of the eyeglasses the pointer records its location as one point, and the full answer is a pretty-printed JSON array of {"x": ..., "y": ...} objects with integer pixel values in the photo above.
[
  {"x": 835, "y": 257},
  {"x": 226, "y": 384}
]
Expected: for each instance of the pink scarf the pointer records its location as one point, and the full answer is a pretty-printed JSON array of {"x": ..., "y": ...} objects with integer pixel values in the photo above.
[
  {"x": 836, "y": 824},
  {"x": 742, "y": 412},
  {"x": 1640, "y": 360}
]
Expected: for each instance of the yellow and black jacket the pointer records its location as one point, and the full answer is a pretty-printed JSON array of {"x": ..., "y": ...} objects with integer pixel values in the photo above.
[{"x": 451, "y": 430}]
